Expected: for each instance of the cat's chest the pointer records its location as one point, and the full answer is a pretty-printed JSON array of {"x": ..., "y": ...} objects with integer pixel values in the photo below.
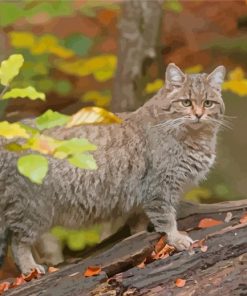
[{"x": 178, "y": 161}]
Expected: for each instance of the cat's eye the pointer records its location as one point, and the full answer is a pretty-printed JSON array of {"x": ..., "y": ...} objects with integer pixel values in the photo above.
[
  {"x": 186, "y": 103},
  {"x": 208, "y": 104}
]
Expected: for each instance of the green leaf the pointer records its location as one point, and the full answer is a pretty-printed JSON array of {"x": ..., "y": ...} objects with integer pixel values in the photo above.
[
  {"x": 10, "y": 68},
  {"x": 74, "y": 146},
  {"x": 79, "y": 44},
  {"x": 33, "y": 166},
  {"x": 27, "y": 92},
  {"x": 12, "y": 130},
  {"x": 51, "y": 119},
  {"x": 83, "y": 161}
]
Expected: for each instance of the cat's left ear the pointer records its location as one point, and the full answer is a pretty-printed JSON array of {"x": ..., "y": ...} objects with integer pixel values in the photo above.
[{"x": 216, "y": 78}]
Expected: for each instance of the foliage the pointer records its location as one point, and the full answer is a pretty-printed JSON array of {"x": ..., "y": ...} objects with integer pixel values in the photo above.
[
  {"x": 33, "y": 166},
  {"x": 75, "y": 151}
]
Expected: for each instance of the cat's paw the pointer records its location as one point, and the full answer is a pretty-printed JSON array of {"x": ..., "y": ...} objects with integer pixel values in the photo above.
[
  {"x": 28, "y": 269},
  {"x": 179, "y": 240}
]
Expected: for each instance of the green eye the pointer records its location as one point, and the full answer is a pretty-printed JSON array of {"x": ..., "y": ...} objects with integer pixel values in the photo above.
[
  {"x": 208, "y": 104},
  {"x": 186, "y": 103}
]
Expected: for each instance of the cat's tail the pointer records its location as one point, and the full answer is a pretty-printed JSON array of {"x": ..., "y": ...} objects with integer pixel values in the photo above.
[{"x": 3, "y": 240}]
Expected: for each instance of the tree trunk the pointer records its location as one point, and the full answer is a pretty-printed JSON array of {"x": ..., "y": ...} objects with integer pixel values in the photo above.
[{"x": 138, "y": 41}]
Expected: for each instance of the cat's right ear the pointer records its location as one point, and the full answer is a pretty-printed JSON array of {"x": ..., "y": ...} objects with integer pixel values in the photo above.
[{"x": 174, "y": 76}]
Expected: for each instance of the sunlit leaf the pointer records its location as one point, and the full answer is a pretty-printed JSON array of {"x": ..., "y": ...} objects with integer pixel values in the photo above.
[
  {"x": 83, "y": 161},
  {"x": 28, "y": 92},
  {"x": 33, "y": 166},
  {"x": 52, "y": 269},
  {"x": 90, "y": 115},
  {"x": 10, "y": 68},
  {"x": 12, "y": 130},
  {"x": 51, "y": 119},
  {"x": 75, "y": 146},
  {"x": 154, "y": 86}
]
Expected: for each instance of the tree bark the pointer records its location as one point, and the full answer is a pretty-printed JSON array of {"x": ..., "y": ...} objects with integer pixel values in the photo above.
[{"x": 139, "y": 36}]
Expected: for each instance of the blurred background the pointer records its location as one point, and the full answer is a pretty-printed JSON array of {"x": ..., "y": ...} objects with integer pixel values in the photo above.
[{"x": 113, "y": 54}]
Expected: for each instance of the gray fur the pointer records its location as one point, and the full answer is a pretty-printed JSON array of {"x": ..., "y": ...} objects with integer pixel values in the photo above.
[{"x": 144, "y": 163}]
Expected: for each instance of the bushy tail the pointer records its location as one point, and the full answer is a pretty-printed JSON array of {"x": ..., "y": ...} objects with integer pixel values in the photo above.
[{"x": 3, "y": 240}]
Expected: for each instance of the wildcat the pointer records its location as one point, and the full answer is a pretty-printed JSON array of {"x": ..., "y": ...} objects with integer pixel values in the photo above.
[{"x": 144, "y": 164}]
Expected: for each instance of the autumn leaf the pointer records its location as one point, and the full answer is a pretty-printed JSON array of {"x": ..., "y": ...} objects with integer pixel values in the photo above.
[
  {"x": 4, "y": 287},
  {"x": 209, "y": 222},
  {"x": 92, "y": 270},
  {"x": 180, "y": 283},
  {"x": 92, "y": 115},
  {"x": 34, "y": 274},
  {"x": 243, "y": 219},
  {"x": 160, "y": 244},
  {"x": 52, "y": 269},
  {"x": 18, "y": 281},
  {"x": 163, "y": 253},
  {"x": 10, "y": 68},
  {"x": 154, "y": 86},
  {"x": 12, "y": 130}
]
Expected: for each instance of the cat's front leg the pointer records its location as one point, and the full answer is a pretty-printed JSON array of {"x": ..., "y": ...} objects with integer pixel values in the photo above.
[
  {"x": 163, "y": 216},
  {"x": 23, "y": 257}
]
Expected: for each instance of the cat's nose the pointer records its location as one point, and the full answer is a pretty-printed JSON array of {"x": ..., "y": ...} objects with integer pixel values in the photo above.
[{"x": 198, "y": 116}]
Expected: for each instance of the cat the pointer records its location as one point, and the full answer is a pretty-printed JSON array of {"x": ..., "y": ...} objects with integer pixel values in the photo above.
[{"x": 144, "y": 164}]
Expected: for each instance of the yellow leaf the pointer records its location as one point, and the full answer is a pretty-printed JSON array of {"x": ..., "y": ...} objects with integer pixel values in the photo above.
[
  {"x": 28, "y": 92},
  {"x": 12, "y": 130},
  {"x": 197, "y": 194},
  {"x": 99, "y": 98},
  {"x": 61, "y": 52},
  {"x": 154, "y": 86},
  {"x": 194, "y": 69},
  {"x": 236, "y": 74},
  {"x": 92, "y": 115},
  {"x": 236, "y": 86},
  {"x": 21, "y": 39},
  {"x": 102, "y": 67},
  {"x": 10, "y": 68},
  {"x": 42, "y": 144}
]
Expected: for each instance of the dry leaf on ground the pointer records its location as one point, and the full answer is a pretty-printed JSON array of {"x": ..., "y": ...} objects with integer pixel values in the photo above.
[
  {"x": 209, "y": 222},
  {"x": 4, "y": 287},
  {"x": 92, "y": 270},
  {"x": 52, "y": 269},
  {"x": 34, "y": 274},
  {"x": 180, "y": 283},
  {"x": 243, "y": 219},
  {"x": 18, "y": 281}
]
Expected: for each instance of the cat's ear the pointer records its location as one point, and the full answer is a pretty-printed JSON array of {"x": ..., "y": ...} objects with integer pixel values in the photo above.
[
  {"x": 174, "y": 76},
  {"x": 216, "y": 78}
]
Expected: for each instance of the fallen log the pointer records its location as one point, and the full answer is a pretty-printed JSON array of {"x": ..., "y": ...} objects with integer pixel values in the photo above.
[{"x": 225, "y": 243}]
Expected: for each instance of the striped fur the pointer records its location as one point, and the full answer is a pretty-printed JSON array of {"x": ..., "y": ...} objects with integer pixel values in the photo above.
[{"x": 144, "y": 164}]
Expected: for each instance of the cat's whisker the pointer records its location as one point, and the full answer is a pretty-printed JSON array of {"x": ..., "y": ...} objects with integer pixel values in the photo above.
[{"x": 221, "y": 122}]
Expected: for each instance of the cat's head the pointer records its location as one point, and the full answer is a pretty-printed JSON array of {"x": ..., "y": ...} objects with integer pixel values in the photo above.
[{"x": 194, "y": 98}]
